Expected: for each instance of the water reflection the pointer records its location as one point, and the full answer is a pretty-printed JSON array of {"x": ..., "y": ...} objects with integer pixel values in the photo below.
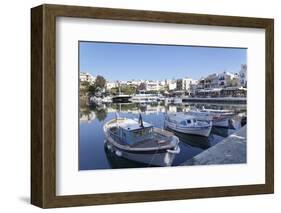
[
  {"x": 194, "y": 140},
  {"x": 94, "y": 153},
  {"x": 221, "y": 131},
  {"x": 117, "y": 162}
]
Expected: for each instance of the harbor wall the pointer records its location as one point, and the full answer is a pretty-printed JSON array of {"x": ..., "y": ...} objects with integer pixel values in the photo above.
[
  {"x": 230, "y": 150},
  {"x": 216, "y": 100}
]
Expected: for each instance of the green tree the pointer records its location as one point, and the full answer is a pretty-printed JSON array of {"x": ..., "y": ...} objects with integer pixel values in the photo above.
[
  {"x": 101, "y": 114},
  {"x": 114, "y": 91},
  {"x": 92, "y": 89},
  {"x": 100, "y": 82},
  {"x": 98, "y": 85},
  {"x": 128, "y": 90}
]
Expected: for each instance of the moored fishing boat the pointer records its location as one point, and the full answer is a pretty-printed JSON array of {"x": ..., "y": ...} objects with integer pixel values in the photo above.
[
  {"x": 219, "y": 118},
  {"x": 184, "y": 123},
  {"x": 140, "y": 141}
]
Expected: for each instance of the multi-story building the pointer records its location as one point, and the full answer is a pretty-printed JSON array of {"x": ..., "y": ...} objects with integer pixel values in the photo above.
[
  {"x": 87, "y": 77},
  {"x": 171, "y": 84},
  {"x": 193, "y": 86},
  {"x": 227, "y": 79},
  {"x": 152, "y": 85},
  {"x": 183, "y": 84},
  {"x": 110, "y": 85},
  {"x": 243, "y": 75}
]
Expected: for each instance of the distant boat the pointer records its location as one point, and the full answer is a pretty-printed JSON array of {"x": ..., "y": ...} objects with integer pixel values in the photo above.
[
  {"x": 121, "y": 98},
  {"x": 189, "y": 124},
  {"x": 141, "y": 142},
  {"x": 147, "y": 98},
  {"x": 220, "y": 118},
  {"x": 177, "y": 100}
]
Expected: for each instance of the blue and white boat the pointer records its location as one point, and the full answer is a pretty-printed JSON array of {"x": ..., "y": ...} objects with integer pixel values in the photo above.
[
  {"x": 141, "y": 142},
  {"x": 220, "y": 118},
  {"x": 189, "y": 124}
]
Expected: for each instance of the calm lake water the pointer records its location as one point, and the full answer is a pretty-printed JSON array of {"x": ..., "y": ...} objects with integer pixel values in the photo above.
[{"x": 93, "y": 152}]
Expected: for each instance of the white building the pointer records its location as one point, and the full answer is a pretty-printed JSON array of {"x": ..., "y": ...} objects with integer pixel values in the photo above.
[
  {"x": 87, "y": 77},
  {"x": 110, "y": 85},
  {"x": 243, "y": 75},
  {"x": 171, "y": 84},
  {"x": 184, "y": 84},
  {"x": 219, "y": 80},
  {"x": 227, "y": 79},
  {"x": 193, "y": 86},
  {"x": 152, "y": 85}
]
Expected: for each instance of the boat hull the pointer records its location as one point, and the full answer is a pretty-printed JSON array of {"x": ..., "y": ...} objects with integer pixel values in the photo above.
[
  {"x": 202, "y": 131},
  {"x": 151, "y": 159},
  {"x": 155, "y": 156}
]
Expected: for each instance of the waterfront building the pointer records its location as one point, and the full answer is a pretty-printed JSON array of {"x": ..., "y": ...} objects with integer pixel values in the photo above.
[
  {"x": 193, "y": 87},
  {"x": 110, "y": 85},
  {"x": 221, "y": 80},
  {"x": 152, "y": 85},
  {"x": 243, "y": 75},
  {"x": 183, "y": 84},
  {"x": 171, "y": 84},
  {"x": 87, "y": 77},
  {"x": 227, "y": 79},
  {"x": 134, "y": 83}
]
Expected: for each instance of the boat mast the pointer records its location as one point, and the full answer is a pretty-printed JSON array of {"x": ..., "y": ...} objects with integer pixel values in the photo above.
[
  {"x": 119, "y": 89},
  {"x": 140, "y": 121}
]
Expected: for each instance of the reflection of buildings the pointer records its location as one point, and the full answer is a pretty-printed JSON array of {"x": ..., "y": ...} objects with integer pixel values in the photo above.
[
  {"x": 136, "y": 109},
  {"x": 87, "y": 116}
]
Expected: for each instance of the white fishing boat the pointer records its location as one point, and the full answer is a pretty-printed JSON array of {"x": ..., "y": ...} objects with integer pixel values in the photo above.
[
  {"x": 220, "y": 118},
  {"x": 189, "y": 124},
  {"x": 141, "y": 142},
  {"x": 177, "y": 100},
  {"x": 146, "y": 98}
]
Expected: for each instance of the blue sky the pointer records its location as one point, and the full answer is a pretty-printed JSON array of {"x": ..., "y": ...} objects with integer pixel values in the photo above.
[{"x": 123, "y": 61}]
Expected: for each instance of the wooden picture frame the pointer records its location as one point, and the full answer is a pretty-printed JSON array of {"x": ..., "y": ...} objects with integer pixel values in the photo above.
[{"x": 43, "y": 105}]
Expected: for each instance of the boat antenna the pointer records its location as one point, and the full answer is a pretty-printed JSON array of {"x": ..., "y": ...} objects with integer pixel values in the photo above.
[
  {"x": 140, "y": 121},
  {"x": 119, "y": 89}
]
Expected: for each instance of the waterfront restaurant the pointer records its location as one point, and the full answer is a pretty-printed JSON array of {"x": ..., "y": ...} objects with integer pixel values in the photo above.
[
  {"x": 234, "y": 92},
  {"x": 222, "y": 92}
]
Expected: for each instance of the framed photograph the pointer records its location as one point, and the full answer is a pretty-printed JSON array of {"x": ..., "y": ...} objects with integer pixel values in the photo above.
[{"x": 136, "y": 106}]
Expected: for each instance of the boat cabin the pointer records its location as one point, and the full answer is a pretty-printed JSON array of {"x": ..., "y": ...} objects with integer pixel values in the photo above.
[
  {"x": 187, "y": 122},
  {"x": 132, "y": 132},
  {"x": 182, "y": 119}
]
